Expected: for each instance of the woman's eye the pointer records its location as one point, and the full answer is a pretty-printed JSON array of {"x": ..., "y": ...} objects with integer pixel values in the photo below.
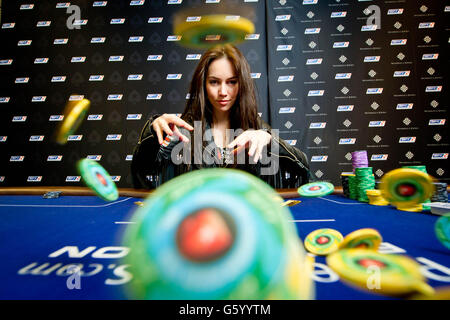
[
  {"x": 212, "y": 82},
  {"x": 233, "y": 82}
]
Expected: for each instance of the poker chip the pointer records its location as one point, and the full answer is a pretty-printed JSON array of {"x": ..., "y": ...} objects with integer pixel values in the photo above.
[
  {"x": 323, "y": 241},
  {"x": 290, "y": 203},
  {"x": 406, "y": 188},
  {"x": 388, "y": 274},
  {"x": 365, "y": 180},
  {"x": 366, "y": 238},
  {"x": 278, "y": 198},
  {"x": 74, "y": 114},
  {"x": 98, "y": 179},
  {"x": 440, "y": 293},
  {"x": 440, "y": 194},
  {"x": 316, "y": 189},
  {"x": 345, "y": 183},
  {"x": 442, "y": 230},
  {"x": 359, "y": 159},
  {"x": 352, "y": 187},
  {"x": 215, "y": 234},
  {"x": 421, "y": 168},
  {"x": 375, "y": 198},
  {"x": 214, "y": 29}
]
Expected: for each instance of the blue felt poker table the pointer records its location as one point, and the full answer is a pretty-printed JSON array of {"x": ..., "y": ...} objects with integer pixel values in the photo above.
[{"x": 41, "y": 239}]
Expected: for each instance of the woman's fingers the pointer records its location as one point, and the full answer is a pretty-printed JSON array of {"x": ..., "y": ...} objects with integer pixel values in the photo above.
[
  {"x": 253, "y": 146},
  {"x": 159, "y": 132},
  {"x": 166, "y": 128},
  {"x": 181, "y": 136},
  {"x": 167, "y": 123},
  {"x": 240, "y": 141},
  {"x": 179, "y": 122},
  {"x": 255, "y": 138},
  {"x": 259, "y": 150}
]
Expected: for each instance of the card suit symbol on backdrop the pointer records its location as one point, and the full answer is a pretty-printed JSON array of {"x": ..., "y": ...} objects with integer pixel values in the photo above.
[
  {"x": 174, "y": 57},
  {"x": 154, "y": 77},
  {"x": 135, "y": 58},
  {"x": 97, "y": 59},
  {"x": 134, "y": 97},
  {"x": 115, "y": 78},
  {"x": 173, "y": 96},
  {"x": 155, "y": 38}
]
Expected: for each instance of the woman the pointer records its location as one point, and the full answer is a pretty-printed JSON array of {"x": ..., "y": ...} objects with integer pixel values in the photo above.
[{"x": 221, "y": 113}]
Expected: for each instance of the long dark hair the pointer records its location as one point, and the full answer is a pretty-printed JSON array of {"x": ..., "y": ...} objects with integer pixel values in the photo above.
[{"x": 244, "y": 113}]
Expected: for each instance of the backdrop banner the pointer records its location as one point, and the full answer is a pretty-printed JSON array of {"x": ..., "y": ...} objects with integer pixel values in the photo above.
[{"x": 334, "y": 76}]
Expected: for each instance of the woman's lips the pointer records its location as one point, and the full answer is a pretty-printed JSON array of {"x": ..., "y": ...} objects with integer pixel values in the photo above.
[{"x": 223, "y": 102}]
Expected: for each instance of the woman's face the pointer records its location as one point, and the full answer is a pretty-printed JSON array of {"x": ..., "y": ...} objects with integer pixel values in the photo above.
[{"x": 222, "y": 85}]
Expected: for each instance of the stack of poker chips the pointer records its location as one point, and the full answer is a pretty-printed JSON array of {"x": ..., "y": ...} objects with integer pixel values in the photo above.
[
  {"x": 365, "y": 180},
  {"x": 349, "y": 187},
  {"x": 423, "y": 169},
  {"x": 375, "y": 198},
  {"x": 352, "y": 186},
  {"x": 345, "y": 183},
  {"x": 440, "y": 194},
  {"x": 359, "y": 159}
]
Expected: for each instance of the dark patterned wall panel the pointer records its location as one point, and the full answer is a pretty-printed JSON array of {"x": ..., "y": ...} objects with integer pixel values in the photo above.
[
  {"x": 361, "y": 75},
  {"x": 124, "y": 58}
]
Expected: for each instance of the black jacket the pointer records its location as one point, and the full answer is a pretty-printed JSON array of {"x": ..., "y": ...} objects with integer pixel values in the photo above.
[{"x": 152, "y": 163}]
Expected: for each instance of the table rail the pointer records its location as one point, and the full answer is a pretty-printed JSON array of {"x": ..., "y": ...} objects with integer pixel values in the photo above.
[{"x": 123, "y": 192}]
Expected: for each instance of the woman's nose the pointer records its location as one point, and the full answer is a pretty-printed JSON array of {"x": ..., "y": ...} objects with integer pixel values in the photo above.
[{"x": 223, "y": 90}]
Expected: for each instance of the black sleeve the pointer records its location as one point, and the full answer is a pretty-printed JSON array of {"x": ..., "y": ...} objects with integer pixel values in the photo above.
[
  {"x": 293, "y": 163},
  {"x": 144, "y": 165},
  {"x": 152, "y": 163}
]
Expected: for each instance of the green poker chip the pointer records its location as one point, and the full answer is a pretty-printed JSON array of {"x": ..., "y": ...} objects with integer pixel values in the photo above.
[
  {"x": 442, "y": 230},
  {"x": 215, "y": 234},
  {"x": 212, "y": 29},
  {"x": 388, "y": 274},
  {"x": 323, "y": 241},
  {"x": 315, "y": 189},
  {"x": 406, "y": 187},
  {"x": 98, "y": 179}
]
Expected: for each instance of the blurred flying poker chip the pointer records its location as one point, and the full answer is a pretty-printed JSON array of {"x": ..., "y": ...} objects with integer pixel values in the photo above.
[
  {"x": 216, "y": 234},
  {"x": 98, "y": 179},
  {"x": 213, "y": 29},
  {"x": 366, "y": 238},
  {"x": 74, "y": 113},
  {"x": 323, "y": 241},
  {"x": 441, "y": 293},
  {"x": 316, "y": 189},
  {"x": 442, "y": 230},
  {"x": 396, "y": 275},
  {"x": 406, "y": 186},
  {"x": 290, "y": 203}
]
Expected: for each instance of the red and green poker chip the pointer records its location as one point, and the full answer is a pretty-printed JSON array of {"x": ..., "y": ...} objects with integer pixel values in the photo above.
[
  {"x": 388, "y": 274},
  {"x": 406, "y": 186},
  {"x": 97, "y": 179},
  {"x": 316, "y": 189},
  {"x": 212, "y": 29},
  {"x": 442, "y": 230},
  {"x": 323, "y": 241},
  {"x": 366, "y": 238}
]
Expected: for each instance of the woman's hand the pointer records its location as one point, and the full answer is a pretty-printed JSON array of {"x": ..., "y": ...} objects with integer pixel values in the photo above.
[
  {"x": 168, "y": 124},
  {"x": 255, "y": 139}
]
